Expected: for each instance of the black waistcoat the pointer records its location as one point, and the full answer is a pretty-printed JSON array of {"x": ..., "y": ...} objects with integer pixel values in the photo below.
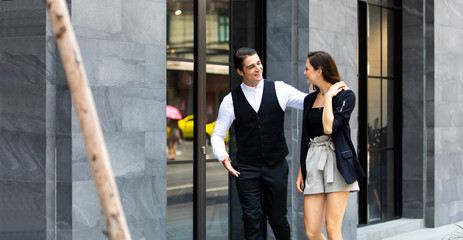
[{"x": 259, "y": 136}]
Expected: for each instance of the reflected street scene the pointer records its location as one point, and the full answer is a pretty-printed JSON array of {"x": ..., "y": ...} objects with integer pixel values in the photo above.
[{"x": 181, "y": 120}]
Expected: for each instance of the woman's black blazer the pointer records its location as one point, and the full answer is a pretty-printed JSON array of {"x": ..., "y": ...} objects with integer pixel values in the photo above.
[{"x": 346, "y": 158}]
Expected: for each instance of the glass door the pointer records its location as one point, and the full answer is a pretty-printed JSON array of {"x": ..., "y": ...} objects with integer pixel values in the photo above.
[
  {"x": 202, "y": 202},
  {"x": 180, "y": 95},
  {"x": 217, "y": 86},
  {"x": 197, "y": 79}
]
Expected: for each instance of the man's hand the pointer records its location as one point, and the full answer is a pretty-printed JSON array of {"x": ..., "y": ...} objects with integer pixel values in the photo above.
[{"x": 227, "y": 165}]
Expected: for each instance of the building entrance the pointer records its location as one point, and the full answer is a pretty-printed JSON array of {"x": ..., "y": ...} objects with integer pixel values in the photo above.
[{"x": 201, "y": 201}]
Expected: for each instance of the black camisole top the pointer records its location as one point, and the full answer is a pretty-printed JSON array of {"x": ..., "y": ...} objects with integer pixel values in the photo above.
[{"x": 314, "y": 117}]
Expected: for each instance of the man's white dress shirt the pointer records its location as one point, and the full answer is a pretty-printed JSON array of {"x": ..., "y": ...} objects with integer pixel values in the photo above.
[{"x": 287, "y": 96}]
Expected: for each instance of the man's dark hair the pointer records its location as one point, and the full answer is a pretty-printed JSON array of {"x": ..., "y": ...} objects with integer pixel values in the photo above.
[{"x": 240, "y": 55}]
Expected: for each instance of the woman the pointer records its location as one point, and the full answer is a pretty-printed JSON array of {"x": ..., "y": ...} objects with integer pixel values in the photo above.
[
  {"x": 172, "y": 139},
  {"x": 329, "y": 167}
]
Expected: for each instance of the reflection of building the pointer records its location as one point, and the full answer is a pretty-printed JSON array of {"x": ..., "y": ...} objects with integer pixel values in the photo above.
[{"x": 402, "y": 58}]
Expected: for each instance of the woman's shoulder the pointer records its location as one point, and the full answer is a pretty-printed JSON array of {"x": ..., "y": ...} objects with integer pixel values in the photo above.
[
  {"x": 346, "y": 94},
  {"x": 309, "y": 97}
]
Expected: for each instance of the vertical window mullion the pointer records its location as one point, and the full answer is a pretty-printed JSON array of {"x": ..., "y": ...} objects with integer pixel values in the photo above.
[{"x": 199, "y": 163}]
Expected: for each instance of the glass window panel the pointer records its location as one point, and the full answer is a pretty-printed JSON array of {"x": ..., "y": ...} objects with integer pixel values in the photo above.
[
  {"x": 180, "y": 201},
  {"x": 388, "y": 194},
  {"x": 180, "y": 95},
  {"x": 216, "y": 201},
  {"x": 374, "y": 144},
  {"x": 392, "y": 2},
  {"x": 217, "y": 30},
  {"x": 374, "y": 185},
  {"x": 180, "y": 29},
  {"x": 374, "y": 41},
  {"x": 374, "y": 127},
  {"x": 380, "y": 194},
  {"x": 387, "y": 95},
  {"x": 217, "y": 87},
  {"x": 388, "y": 42}
]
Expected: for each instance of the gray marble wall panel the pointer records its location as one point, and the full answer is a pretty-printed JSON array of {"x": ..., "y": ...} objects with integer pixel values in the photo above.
[
  {"x": 294, "y": 28},
  {"x": 448, "y": 123},
  {"x": 22, "y": 88},
  {"x": 123, "y": 47},
  {"x": 42, "y": 153},
  {"x": 141, "y": 110},
  {"x": 155, "y": 73},
  {"x": 23, "y": 209},
  {"x": 97, "y": 19},
  {"x": 121, "y": 64},
  {"x": 23, "y": 156},
  {"x": 140, "y": 25},
  {"x": 337, "y": 35},
  {"x": 154, "y": 155},
  {"x": 413, "y": 110},
  {"x": 23, "y": 127},
  {"x": 58, "y": 154},
  {"x": 19, "y": 19},
  {"x": 281, "y": 48}
]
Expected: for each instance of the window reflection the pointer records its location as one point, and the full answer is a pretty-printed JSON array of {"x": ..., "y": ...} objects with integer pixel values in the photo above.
[
  {"x": 180, "y": 94},
  {"x": 217, "y": 201},
  {"x": 374, "y": 43},
  {"x": 180, "y": 29},
  {"x": 179, "y": 201},
  {"x": 380, "y": 113},
  {"x": 388, "y": 42},
  {"x": 217, "y": 34}
]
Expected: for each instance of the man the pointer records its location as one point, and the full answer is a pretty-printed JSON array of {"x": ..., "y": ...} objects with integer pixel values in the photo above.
[{"x": 256, "y": 108}]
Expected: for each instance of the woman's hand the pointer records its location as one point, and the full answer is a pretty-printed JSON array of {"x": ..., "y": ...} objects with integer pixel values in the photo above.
[
  {"x": 227, "y": 165},
  {"x": 300, "y": 182},
  {"x": 336, "y": 88}
]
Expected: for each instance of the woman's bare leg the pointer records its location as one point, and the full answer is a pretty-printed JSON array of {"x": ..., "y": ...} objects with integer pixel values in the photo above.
[
  {"x": 174, "y": 150},
  {"x": 314, "y": 211},
  {"x": 335, "y": 207}
]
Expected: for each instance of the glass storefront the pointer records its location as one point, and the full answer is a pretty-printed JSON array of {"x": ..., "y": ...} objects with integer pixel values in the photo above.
[
  {"x": 225, "y": 22},
  {"x": 181, "y": 95}
]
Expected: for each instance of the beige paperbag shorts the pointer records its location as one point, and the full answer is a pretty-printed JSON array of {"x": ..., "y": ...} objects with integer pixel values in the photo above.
[{"x": 322, "y": 174}]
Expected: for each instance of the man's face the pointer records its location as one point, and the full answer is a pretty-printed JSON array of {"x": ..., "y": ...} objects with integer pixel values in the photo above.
[{"x": 252, "y": 70}]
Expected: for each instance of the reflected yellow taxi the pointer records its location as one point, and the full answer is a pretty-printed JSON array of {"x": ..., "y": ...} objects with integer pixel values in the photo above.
[{"x": 186, "y": 126}]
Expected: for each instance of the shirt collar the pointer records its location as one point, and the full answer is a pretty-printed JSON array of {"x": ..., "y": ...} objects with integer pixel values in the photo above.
[{"x": 248, "y": 88}]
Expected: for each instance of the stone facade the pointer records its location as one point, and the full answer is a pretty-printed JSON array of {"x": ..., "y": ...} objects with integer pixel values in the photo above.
[
  {"x": 448, "y": 128},
  {"x": 46, "y": 186},
  {"x": 431, "y": 156},
  {"x": 25, "y": 158},
  {"x": 123, "y": 48}
]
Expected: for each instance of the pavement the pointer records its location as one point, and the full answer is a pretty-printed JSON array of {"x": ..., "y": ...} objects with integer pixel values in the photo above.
[{"x": 447, "y": 232}]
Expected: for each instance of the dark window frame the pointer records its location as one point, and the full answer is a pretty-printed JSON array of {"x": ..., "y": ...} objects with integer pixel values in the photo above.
[{"x": 363, "y": 91}]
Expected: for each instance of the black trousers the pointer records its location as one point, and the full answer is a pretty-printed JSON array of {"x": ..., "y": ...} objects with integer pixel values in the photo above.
[{"x": 267, "y": 184}]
